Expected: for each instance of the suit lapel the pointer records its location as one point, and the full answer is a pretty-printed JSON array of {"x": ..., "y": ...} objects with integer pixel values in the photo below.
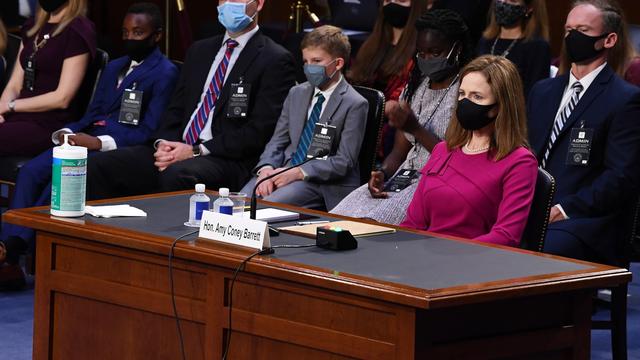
[
  {"x": 595, "y": 89},
  {"x": 114, "y": 94},
  {"x": 299, "y": 116},
  {"x": 334, "y": 102},
  {"x": 249, "y": 53},
  {"x": 138, "y": 73}
]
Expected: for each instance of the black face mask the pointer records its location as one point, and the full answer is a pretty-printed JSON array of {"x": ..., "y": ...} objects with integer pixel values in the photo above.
[
  {"x": 396, "y": 15},
  {"x": 439, "y": 68},
  {"x": 138, "y": 50},
  {"x": 51, "y": 5},
  {"x": 473, "y": 116},
  {"x": 581, "y": 47},
  {"x": 509, "y": 14}
]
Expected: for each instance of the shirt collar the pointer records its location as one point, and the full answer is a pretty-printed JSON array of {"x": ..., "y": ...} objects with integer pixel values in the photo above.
[
  {"x": 586, "y": 80},
  {"x": 242, "y": 39},
  {"x": 327, "y": 93}
]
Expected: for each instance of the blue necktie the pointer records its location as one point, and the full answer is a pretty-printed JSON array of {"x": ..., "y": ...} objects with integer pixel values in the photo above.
[{"x": 307, "y": 133}]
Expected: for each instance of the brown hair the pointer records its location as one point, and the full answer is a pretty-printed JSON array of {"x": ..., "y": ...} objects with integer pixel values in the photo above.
[
  {"x": 534, "y": 25},
  {"x": 376, "y": 56},
  {"x": 3, "y": 38},
  {"x": 614, "y": 21},
  {"x": 330, "y": 39},
  {"x": 511, "y": 123},
  {"x": 74, "y": 8}
]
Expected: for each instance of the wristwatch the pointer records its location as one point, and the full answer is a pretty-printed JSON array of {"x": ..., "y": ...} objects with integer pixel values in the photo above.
[
  {"x": 196, "y": 150},
  {"x": 12, "y": 106}
]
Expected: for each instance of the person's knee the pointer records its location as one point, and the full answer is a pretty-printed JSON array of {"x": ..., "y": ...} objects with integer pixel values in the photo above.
[
  {"x": 563, "y": 243},
  {"x": 176, "y": 177}
]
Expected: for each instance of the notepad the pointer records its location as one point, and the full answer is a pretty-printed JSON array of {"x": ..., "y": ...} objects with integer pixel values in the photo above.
[
  {"x": 356, "y": 229},
  {"x": 272, "y": 215}
]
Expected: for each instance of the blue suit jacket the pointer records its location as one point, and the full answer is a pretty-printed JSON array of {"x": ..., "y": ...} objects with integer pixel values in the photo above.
[
  {"x": 596, "y": 197},
  {"x": 156, "y": 76}
]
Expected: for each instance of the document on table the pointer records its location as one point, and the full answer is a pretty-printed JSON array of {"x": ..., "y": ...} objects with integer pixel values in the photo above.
[{"x": 109, "y": 211}]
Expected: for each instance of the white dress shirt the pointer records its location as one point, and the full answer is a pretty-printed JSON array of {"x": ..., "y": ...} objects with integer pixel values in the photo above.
[
  {"x": 242, "y": 40},
  {"x": 586, "y": 81}
]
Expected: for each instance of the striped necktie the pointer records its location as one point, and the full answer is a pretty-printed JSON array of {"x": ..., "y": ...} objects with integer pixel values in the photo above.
[
  {"x": 561, "y": 119},
  {"x": 197, "y": 122},
  {"x": 307, "y": 132}
]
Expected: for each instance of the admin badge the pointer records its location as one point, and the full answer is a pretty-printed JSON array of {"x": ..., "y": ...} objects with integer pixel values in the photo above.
[
  {"x": 581, "y": 135},
  {"x": 324, "y": 131},
  {"x": 132, "y": 96}
]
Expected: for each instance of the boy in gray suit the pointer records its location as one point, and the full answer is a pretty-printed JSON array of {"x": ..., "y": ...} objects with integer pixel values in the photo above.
[{"x": 324, "y": 114}]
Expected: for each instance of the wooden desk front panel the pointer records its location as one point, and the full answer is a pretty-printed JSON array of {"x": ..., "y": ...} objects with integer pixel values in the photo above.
[{"x": 105, "y": 302}]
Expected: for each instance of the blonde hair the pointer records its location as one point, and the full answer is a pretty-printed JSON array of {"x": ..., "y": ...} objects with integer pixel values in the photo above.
[
  {"x": 511, "y": 123},
  {"x": 330, "y": 39},
  {"x": 73, "y": 9},
  {"x": 613, "y": 21},
  {"x": 3, "y": 38},
  {"x": 534, "y": 25}
]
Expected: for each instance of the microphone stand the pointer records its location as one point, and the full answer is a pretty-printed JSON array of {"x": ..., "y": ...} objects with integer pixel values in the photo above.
[{"x": 254, "y": 200}]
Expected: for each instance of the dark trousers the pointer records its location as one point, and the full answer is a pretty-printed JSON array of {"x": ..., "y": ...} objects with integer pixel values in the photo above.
[{"x": 131, "y": 171}]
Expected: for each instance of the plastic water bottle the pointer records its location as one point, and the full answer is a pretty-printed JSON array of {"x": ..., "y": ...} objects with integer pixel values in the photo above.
[
  {"x": 198, "y": 202},
  {"x": 223, "y": 204}
]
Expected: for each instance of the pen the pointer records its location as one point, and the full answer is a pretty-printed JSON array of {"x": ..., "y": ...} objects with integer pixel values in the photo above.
[{"x": 312, "y": 222}]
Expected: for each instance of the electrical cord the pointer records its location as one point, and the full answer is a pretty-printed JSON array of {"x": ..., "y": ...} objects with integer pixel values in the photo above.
[
  {"x": 235, "y": 276},
  {"x": 173, "y": 293}
]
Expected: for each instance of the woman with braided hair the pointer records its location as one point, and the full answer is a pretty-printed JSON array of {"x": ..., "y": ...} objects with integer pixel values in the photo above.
[{"x": 421, "y": 117}]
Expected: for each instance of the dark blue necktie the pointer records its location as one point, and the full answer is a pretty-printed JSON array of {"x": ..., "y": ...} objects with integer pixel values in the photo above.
[{"x": 307, "y": 133}]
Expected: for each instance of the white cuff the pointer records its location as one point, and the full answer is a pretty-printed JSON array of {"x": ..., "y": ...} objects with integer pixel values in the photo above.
[
  {"x": 204, "y": 151},
  {"x": 108, "y": 143},
  {"x": 54, "y": 136},
  {"x": 562, "y": 211}
]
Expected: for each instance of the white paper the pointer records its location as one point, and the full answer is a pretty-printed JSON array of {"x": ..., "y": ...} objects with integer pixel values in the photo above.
[
  {"x": 108, "y": 211},
  {"x": 273, "y": 215}
]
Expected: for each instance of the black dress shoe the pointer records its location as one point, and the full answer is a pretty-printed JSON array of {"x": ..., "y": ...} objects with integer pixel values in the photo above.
[{"x": 11, "y": 277}]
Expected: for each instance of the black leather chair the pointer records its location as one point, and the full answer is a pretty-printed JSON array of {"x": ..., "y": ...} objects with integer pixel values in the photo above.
[
  {"x": 10, "y": 165},
  {"x": 538, "y": 221},
  {"x": 617, "y": 321},
  {"x": 371, "y": 139}
]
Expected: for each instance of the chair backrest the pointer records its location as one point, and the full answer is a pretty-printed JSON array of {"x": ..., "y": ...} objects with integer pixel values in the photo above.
[
  {"x": 371, "y": 139},
  {"x": 88, "y": 87},
  {"x": 10, "y": 55},
  {"x": 536, "y": 228}
]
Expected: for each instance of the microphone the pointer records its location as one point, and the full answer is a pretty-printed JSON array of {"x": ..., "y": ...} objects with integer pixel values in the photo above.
[{"x": 254, "y": 202}]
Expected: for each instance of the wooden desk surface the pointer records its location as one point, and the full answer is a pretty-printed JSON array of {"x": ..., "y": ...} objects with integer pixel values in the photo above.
[
  {"x": 102, "y": 292},
  {"x": 410, "y": 268}
]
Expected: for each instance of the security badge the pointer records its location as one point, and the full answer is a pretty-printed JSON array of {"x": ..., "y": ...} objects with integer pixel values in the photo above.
[
  {"x": 579, "y": 146},
  {"x": 131, "y": 106},
  {"x": 238, "y": 105},
  {"x": 401, "y": 180},
  {"x": 323, "y": 139},
  {"x": 30, "y": 73}
]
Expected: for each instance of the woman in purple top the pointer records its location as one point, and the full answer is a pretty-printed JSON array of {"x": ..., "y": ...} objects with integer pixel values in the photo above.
[
  {"x": 39, "y": 98},
  {"x": 479, "y": 182}
]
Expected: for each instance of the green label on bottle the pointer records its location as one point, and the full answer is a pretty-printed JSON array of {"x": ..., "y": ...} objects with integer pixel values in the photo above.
[{"x": 68, "y": 184}]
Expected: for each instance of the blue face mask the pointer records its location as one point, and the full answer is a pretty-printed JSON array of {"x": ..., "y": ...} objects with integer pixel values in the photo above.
[
  {"x": 317, "y": 74},
  {"x": 233, "y": 16}
]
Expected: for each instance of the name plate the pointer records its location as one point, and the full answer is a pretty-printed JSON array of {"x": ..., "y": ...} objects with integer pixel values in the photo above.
[{"x": 234, "y": 230}]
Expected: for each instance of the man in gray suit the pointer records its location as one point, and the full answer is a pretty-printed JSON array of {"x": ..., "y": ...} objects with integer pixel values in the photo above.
[{"x": 323, "y": 114}]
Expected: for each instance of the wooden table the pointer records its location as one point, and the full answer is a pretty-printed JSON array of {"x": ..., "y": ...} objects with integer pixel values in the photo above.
[{"x": 102, "y": 292}]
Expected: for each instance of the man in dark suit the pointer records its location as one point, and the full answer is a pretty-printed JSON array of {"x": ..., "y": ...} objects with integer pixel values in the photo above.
[
  {"x": 585, "y": 131},
  {"x": 223, "y": 112},
  {"x": 103, "y": 128}
]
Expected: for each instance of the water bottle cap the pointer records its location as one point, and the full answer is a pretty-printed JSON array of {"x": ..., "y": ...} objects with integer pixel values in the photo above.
[
  {"x": 200, "y": 188},
  {"x": 223, "y": 191}
]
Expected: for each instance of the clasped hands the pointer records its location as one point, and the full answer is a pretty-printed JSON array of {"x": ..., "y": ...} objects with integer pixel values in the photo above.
[
  {"x": 169, "y": 152},
  {"x": 269, "y": 186}
]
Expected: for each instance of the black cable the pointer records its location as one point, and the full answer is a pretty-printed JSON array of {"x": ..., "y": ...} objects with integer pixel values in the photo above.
[
  {"x": 233, "y": 281},
  {"x": 235, "y": 276},
  {"x": 173, "y": 293}
]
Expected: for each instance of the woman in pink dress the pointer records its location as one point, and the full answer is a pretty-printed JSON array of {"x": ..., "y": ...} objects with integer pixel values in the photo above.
[{"x": 479, "y": 182}]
